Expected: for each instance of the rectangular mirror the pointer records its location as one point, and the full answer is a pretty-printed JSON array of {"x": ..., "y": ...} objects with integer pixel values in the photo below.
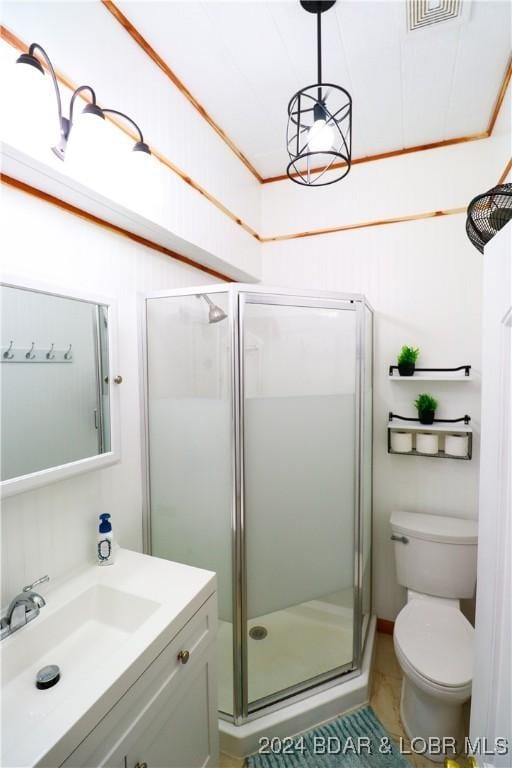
[{"x": 56, "y": 386}]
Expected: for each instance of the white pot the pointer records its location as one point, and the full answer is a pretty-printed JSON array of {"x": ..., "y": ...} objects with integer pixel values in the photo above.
[
  {"x": 456, "y": 445},
  {"x": 401, "y": 442},
  {"x": 427, "y": 443}
]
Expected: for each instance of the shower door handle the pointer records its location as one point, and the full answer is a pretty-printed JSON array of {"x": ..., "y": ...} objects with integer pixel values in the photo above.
[{"x": 402, "y": 539}]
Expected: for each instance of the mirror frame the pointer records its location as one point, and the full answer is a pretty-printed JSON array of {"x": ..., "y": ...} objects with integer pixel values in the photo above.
[{"x": 43, "y": 477}]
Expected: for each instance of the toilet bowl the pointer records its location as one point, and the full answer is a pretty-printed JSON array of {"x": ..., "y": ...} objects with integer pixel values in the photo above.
[
  {"x": 434, "y": 647},
  {"x": 436, "y": 561}
]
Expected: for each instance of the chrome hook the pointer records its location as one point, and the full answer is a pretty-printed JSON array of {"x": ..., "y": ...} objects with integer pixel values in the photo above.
[
  {"x": 9, "y": 354},
  {"x": 30, "y": 354},
  {"x": 49, "y": 354},
  {"x": 68, "y": 355}
]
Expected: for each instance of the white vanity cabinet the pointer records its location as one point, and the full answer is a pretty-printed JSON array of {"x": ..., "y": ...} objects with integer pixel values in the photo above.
[{"x": 168, "y": 717}]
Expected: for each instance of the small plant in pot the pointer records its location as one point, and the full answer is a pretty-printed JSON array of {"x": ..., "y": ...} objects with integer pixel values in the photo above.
[
  {"x": 426, "y": 405},
  {"x": 407, "y": 360}
]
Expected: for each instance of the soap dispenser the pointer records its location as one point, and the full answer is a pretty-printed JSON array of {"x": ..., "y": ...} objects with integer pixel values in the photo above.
[{"x": 105, "y": 541}]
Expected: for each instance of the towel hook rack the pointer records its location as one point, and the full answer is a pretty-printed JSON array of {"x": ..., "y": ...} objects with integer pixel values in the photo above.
[
  {"x": 49, "y": 354},
  {"x": 9, "y": 354},
  {"x": 30, "y": 354},
  {"x": 68, "y": 355}
]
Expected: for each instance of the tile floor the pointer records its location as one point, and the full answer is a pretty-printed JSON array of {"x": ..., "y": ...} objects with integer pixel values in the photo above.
[{"x": 385, "y": 700}]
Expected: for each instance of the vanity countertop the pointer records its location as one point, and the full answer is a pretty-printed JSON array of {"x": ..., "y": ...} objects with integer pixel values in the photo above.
[{"x": 102, "y": 627}]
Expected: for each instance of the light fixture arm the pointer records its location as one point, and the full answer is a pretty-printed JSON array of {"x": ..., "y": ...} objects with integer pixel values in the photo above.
[
  {"x": 126, "y": 117},
  {"x": 49, "y": 66},
  {"x": 73, "y": 99}
]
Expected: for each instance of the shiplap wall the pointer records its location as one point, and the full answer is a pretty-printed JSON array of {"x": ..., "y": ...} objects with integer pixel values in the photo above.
[{"x": 53, "y": 529}]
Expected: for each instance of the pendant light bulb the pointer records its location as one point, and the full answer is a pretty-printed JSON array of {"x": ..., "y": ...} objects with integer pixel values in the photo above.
[{"x": 320, "y": 135}]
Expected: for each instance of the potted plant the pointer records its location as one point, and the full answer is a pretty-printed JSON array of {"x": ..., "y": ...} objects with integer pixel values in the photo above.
[
  {"x": 407, "y": 360},
  {"x": 426, "y": 405}
]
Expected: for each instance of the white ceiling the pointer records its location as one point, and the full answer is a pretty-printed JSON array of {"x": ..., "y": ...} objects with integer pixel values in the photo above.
[{"x": 244, "y": 60}]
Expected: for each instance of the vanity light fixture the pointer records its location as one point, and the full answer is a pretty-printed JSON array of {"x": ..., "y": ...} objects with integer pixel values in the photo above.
[
  {"x": 319, "y": 135},
  {"x": 91, "y": 110}
]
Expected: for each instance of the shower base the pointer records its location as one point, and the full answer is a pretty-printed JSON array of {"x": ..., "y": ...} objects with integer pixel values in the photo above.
[{"x": 300, "y": 715}]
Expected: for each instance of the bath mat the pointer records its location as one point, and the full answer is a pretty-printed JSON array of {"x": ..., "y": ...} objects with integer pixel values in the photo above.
[{"x": 358, "y": 740}]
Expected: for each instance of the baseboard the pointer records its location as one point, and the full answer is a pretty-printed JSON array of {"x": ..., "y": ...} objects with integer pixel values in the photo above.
[{"x": 385, "y": 626}]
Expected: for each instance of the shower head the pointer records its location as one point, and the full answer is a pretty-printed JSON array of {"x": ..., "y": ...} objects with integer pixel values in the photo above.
[{"x": 215, "y": 313}]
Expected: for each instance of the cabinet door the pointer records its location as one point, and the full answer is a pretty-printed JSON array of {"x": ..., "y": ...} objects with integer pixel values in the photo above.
[
  {"x": 168, "y": 718},
  {"x": 181, "y": 733}
]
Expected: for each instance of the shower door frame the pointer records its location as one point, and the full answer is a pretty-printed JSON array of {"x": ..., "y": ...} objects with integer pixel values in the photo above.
[{"x": 238, "y": 294}]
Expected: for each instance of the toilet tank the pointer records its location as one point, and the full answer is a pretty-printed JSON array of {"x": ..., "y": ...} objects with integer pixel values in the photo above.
[{"x": 435, "y": 555}]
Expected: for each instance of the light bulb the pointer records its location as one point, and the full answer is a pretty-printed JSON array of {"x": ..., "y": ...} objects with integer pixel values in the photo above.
[
  {"x": 89, "y": 151},
  {"x": 32, "y": 119},
  {"x": 320, "y": 136}
]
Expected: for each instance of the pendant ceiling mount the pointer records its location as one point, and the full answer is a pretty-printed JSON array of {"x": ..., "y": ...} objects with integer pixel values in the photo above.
[
  {"x": 317, "y": 6},
  {"x": 319, "y": 134}
]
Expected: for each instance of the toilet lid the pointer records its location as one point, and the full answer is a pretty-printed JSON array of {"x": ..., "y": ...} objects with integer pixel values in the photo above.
[{"x": 437, "y": 640}]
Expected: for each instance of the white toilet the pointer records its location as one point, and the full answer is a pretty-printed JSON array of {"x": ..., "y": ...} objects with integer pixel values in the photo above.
[{"x": 436, "y": 561}]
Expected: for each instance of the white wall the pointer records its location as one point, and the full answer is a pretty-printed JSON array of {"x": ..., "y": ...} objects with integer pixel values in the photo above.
[
  {"x": 423, "y": 280},
  {"x": 52, "y": 530}
]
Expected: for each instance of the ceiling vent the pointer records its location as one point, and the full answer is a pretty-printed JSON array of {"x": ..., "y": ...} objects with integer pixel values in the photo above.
[{"x": 425, "y": 13}]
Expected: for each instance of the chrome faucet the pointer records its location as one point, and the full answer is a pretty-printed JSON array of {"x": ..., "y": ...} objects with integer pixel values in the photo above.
[{"x": 23, "y": 608}]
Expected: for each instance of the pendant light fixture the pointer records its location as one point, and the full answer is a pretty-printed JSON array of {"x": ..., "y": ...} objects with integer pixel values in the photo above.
[
  {"x": 319, "y": 135},
  {"x": 92, "y": 116}
]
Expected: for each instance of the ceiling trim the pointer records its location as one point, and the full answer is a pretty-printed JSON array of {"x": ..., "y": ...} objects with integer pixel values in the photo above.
[
  {"x": 150, "y": 51},
  {"x": 175, "y": 80},
  {"x": 506, "y": 172},
  {"x": 363, "y": 225},
  {"x": 391, "y": 153},
  {"x": 17, "y": 43},
  {"x": 500, "y": 97},
  {"x": 90, "y": 217}
]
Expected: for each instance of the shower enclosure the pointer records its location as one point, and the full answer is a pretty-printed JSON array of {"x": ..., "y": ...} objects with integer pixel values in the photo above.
[{"x": 259, "y": 467}]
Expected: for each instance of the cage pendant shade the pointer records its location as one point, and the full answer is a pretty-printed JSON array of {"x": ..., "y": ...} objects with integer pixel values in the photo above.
[
  {"x": 488, "y": 213},
  {"x": 319, "y": 133}
]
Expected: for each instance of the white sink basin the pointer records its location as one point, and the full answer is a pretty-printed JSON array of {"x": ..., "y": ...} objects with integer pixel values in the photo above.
[
  {"x": 102, "y": 627},
  {"x": 77, "y": 637}
]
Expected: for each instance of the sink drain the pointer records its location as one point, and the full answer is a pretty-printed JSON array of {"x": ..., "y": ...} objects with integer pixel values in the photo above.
[
  {"x": 47, "y": 677},
  {"x": 258, "y": 633}
]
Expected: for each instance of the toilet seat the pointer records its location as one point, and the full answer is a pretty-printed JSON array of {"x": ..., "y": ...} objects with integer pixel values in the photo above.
[{"x": 436, "y": 640}]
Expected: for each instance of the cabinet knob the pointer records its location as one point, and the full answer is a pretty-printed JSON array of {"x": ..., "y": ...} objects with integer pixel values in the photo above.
[
  {"x": 119, "y": 380},
  {"x": 183, "y": 656}
]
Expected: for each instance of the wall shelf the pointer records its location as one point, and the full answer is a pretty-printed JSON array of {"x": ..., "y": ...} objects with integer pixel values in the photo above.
[
  {"x": 451, "y": 428},
  {"x": 431, "y": 377},
  {"x": 460, "y": 373},
  {"x": 439, "y": 455},
  {"x": 462, "y": 430}
]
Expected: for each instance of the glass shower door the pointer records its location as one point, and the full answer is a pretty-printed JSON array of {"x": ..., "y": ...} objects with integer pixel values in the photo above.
[
  {"x": 189, "y": 411},
  {"x": 300, "y": 407}
]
